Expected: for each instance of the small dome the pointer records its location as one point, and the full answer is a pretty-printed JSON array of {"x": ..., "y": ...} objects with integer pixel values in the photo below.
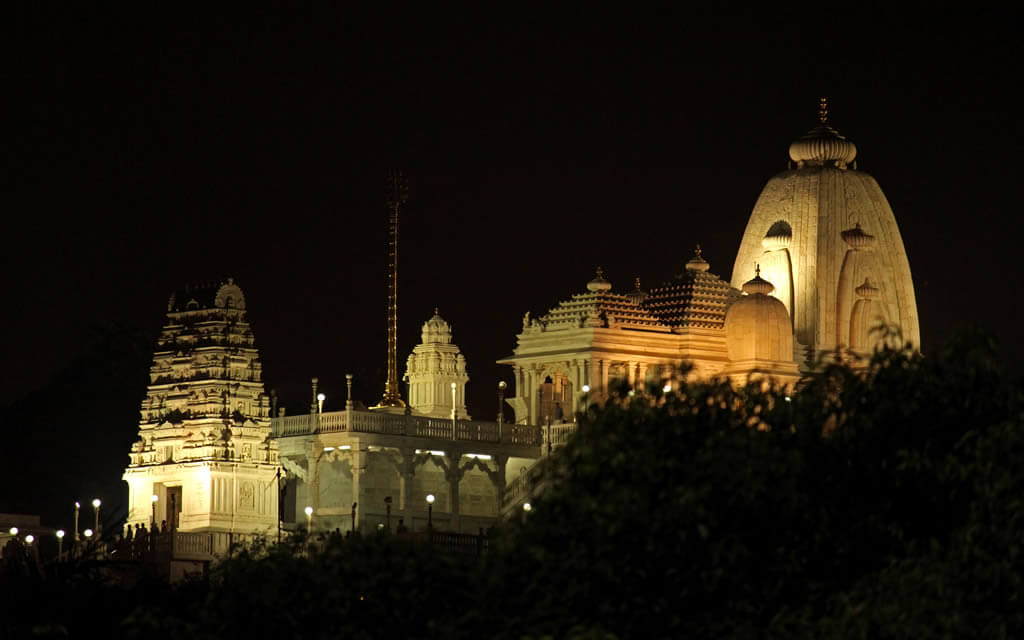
[
  {"x": 436, "y": 330},
  {"x": 757, "y": 284},
  {"x": 858, "y": 238},
  {"x": 697, "y": 262},
  {"x": 757, "y": 327},
  {"x": 868, "y": 290},
  {"x": 637, "y": 295},
  {"x": 599, "y": 283},
  {"x": 823, "y": 145},
  {"x": 779, "y": 236}
]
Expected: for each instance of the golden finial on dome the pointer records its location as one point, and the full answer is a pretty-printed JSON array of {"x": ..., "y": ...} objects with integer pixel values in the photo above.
[
  {"x": 697, "y": 252},
  {"x": 757, "y": 270},
  {"x": 823, "y": 110}
]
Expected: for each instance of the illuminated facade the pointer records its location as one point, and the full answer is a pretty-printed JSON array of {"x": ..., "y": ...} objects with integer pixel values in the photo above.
[
  {"x": 820, "y": 267},
  {"x": 204, "y": 449},
  {"x": 824, "y": 234}
]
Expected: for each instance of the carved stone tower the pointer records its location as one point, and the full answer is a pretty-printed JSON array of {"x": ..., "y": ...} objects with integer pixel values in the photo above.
[
  {"x": 432, "y": 368},
  {"x": 825, "y": 236},
  {"x": 204, "y": 449}
]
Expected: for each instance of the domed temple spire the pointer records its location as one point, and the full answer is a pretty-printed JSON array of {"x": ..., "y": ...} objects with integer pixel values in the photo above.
[{"x": 823, "y": 111}]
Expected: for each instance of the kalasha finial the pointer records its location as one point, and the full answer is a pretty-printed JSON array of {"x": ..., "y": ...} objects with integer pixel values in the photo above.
[
  {"x": 757, "y": 270},
  {"x": 600, "y": 273},
  {"x": 697, "y": 252},
  {"x": 437, "y": 311},
  {"x": 636, "y": 283},
  {"x": 823, "y": 110}
]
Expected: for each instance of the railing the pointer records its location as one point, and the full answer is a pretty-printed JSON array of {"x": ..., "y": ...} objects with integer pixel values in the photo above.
[
  {"x": 558, "y": 434},
  {"x": 408, "y": 425}
]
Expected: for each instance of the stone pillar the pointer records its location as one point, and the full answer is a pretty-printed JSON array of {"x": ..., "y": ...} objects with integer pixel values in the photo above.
[
  {"x": 454, "y": 475},
  {"x": 530, "y": 395},
  {"x": 641, "y": 374},
  {"x": 500, "y": 463},
  {"x": 604, "y": 376},
  {"x": 358, "y": 466},
  {"x": 574, "y": 380},
  {"x": 406, "y": 472}
]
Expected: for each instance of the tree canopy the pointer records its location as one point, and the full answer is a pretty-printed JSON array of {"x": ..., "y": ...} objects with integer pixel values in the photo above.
[{"x": 881, "y": 501}]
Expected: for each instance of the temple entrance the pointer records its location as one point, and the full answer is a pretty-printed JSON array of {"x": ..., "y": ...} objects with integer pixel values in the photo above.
[
  {"x": 556, "y": 399},
  {"x": 173, "y": 507}
]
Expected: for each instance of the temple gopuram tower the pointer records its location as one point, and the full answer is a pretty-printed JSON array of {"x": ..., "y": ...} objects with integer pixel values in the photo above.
[
  {"x": 435, "y": 371},
  {"x": 204, "y": 449},
  {"x": 825, "y": 236}
]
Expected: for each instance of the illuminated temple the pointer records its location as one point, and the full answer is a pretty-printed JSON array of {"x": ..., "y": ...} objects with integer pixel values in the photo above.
[{"x": 820, "y": 266}]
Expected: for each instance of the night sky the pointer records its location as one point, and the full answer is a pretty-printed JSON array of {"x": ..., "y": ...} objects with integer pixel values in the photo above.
[{"x": 139, "y": 158}]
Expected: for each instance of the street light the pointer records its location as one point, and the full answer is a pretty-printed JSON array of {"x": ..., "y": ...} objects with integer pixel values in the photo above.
[
  {"x": 320, "y": 402},
  {"x": 527, "y": 506},
  {"x": 354, "y": 505},
  {"x": 14, "y": 531},
  {"x": 154, "y": 499},
  {"x": 96, "y": 510},
  {"x": 60, "y": 543},
  {"x": 309, "y": 520},
  {"x": 77, "y": 506},
  {"x": 586, "y": 396},
  {"x": 501, "y": 402},
  {"x": 29, "y": 539},
  {"x": 87, "y": 533},
  {"x": 430, "y": 512}
]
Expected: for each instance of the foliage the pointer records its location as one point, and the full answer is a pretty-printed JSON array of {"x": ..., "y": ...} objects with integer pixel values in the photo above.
[{"x": 885, "y": 501}]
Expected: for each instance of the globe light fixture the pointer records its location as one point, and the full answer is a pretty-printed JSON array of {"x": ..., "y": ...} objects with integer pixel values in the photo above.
[
  {"x": 60, "y": 543},
  {"x": 309, "y": 520},
  {"x": 96, "y": 512},
  {"x": 320, "y": 402},
  {"x": 87, "y": 533},
  {"x": 14, "y": 531},
  {"x": 29, "y": 539},
  {"x": 430, "y": 512},
  {"x": 527, "y": 506}
]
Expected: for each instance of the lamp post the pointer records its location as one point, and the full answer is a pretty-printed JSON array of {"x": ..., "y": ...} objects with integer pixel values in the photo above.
[
  {"x": 501, "y": 406},
  {"x": 430, "y": 512},
  {"x": 354, "y": 505},
  {"x": 75, "y": 537},
  {"x": 87, "y": 533},
  {"x": 60, "y": 543},
  {"x": 96, "y": 511},
  {"x": 320, "y": 402},
  {"x": 586, "y": 396},
  {"x": 13, "y": 531},
  {"x": 153, "y": 499},
  {"x": 309, "y": 521},
  {"x": 29, "y": 539}
]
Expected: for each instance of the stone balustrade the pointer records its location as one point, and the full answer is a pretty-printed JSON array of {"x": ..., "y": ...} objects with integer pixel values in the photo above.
[{"x": 407, "y": 425}]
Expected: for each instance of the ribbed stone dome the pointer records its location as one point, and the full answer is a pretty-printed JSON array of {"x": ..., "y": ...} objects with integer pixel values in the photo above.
[
  {"x": 599, "y": 283},
  {"x": 697, "y": 262},
  {"x": 858, "y": 238},
  {"x": 822, "y": 204},
  {"x": 822, "y": 145},
  {"x": 868, "y": 290},
  {"x": 757, "y": 284},
  {"x": 779, "y": 236},
  {"x": 757, "y": 326}
]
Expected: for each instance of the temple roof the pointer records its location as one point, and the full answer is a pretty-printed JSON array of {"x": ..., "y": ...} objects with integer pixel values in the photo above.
[
  {"x": 696, "y": 298},
  {"x": 207, "y": 295}
]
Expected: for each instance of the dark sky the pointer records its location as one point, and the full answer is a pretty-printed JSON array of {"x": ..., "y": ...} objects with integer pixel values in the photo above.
[{"x": 142, "y": 153}]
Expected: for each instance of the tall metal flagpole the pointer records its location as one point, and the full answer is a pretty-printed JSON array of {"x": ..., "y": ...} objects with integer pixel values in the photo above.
[{"x": 397, "y": 195}]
